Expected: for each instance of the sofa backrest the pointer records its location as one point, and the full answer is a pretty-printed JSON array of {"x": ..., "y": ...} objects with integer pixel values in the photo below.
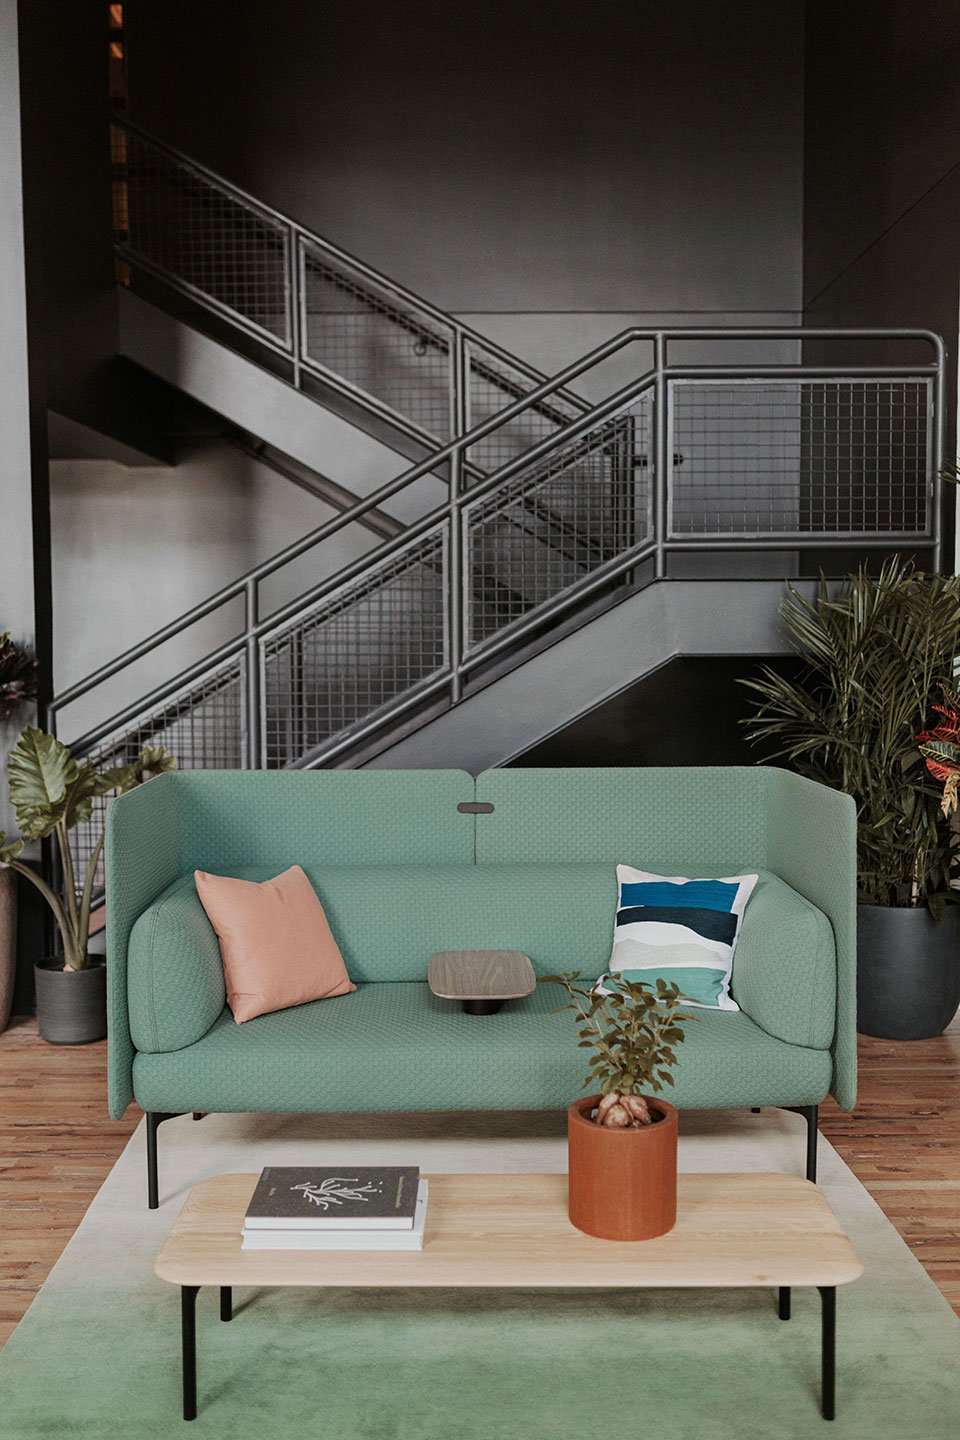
[
  {"x": 693, "y": 821},
  {"x": 388, "y": 921},
  {"x": 231, "y": 819}
]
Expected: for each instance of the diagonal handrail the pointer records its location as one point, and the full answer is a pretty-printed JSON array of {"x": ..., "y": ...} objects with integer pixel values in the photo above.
[
  {"x": 297, "y": 238},
  {"x": 443, "y": 544},
  {"x": 242, "y": 585},
  {"x": 246, "y": 585}
]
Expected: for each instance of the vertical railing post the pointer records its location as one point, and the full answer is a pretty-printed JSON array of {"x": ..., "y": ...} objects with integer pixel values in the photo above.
[
  {"x": 936, "y": 496},
  {"x": 455, "y": 586},
  {"x": 459, "y": 389},
  {"x": 661, "y": 454},
  {"x": 294, "y": 299},
  {"x": 251, "y": 689}
]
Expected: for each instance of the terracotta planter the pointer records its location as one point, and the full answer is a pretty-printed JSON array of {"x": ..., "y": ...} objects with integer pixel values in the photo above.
[
  {"x": 8, "y": 941},
  {"x": 623, "y": 1183}
]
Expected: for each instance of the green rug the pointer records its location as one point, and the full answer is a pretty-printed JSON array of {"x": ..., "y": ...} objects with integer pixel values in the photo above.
[{"x": 98, "y": 1352}]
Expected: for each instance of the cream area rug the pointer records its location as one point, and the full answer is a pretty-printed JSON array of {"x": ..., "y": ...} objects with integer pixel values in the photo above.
[{"x": 97, "y": 1355}]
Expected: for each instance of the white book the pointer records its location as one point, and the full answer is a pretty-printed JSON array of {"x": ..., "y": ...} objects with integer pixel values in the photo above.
[{"x": 343, "y": 1239}]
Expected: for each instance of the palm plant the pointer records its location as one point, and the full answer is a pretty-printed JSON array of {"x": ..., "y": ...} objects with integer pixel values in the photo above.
[
  {"x": 51, "y": 792},
  {"x": 875, "y": 653}
]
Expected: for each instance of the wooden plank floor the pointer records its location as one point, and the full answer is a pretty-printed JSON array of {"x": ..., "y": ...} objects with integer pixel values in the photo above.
[{"x": 57, "y": 1147}]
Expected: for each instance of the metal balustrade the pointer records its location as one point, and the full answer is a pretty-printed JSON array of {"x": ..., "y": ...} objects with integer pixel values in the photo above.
[
  {"x": 331, "y": 319},
  {"x": 680, "y": 459},
  {"x": 550, "y": 501}
]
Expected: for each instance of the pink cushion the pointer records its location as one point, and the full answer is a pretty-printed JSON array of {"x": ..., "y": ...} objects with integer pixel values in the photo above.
[{"x": 277, "y": 947}]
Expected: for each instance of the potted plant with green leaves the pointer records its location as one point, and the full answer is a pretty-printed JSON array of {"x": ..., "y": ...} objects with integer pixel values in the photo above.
[
  {"x": 52, "y": 792},
  {"x": 18, "y": 685},
  {"x": 875, "y": 653},
  {"x": 622, "y": 1138}
]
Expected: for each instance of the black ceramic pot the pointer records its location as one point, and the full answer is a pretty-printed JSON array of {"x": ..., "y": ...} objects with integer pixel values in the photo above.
[
  {"x": 71, "y": 1004},
  {"x": 908, "y": 971}
]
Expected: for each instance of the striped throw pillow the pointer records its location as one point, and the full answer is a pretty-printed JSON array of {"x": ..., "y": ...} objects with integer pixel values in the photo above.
[{"x": 684, "y": 931}]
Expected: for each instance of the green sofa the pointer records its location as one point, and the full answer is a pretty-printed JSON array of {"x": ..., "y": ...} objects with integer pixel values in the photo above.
[{"x": 410, "y": 862}]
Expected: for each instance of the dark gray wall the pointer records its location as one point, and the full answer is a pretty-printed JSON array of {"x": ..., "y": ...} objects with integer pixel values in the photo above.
[
  {"x": 24, "y": 493},
  {"x": 882, "y": 170},
  {"x": 882, "y": 130},
  {"x": 66, "y": 163},
  {"x": 659, "y": 720},
  {"x": 525, "y": 156}
]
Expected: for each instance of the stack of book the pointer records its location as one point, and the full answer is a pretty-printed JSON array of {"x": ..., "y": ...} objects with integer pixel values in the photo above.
[{"x": 346, "y": 1207}]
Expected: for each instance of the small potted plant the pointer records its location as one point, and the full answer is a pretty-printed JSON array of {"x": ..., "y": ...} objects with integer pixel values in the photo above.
[
  {"x": 51, "y": 792},
  {"x": 621, "y": 1139}
]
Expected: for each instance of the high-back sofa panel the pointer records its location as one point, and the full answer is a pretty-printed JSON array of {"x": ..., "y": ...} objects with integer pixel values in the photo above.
[
  {"x": 689, "y": 819},
  {"x": 403, "y": 871}
]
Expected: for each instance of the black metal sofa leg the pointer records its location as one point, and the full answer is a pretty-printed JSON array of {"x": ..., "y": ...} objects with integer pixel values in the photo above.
[
  {"x": 155, "y": 1119},
  {"x": 810, "y": 1113}
]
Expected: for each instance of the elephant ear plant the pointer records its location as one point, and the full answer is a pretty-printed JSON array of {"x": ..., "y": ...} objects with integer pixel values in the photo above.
[
  {"x": 633, "y": 1030},
  {"x": 51, "y": 792}
]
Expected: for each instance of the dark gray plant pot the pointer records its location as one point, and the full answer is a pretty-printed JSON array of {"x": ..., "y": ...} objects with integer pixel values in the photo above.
[
  {"x": 71, "y": 1005},
  {"x": 908, "y": 971}
]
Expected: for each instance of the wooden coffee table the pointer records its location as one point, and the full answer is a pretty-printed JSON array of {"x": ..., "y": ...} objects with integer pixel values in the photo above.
[
  {"x": 507, "y": 1231},
  {"x": 482, "y": 979}
]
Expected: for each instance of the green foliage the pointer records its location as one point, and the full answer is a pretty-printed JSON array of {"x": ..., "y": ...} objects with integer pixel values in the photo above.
[
  {"x": 877, "y": 653},
  {"x": 18, "y": 675},
  {"x": 633, "y": 1031},
  {"x": 52, "y": 792}
]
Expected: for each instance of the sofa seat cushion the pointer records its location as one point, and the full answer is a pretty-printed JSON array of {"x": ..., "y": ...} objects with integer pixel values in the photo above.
[
  {"x": 388, "y": 920},
  {"x": 395, "y": 1046}
]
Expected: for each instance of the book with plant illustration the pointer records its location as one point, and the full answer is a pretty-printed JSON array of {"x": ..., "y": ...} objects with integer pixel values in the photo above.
[{"x": 343, "y": 1197}]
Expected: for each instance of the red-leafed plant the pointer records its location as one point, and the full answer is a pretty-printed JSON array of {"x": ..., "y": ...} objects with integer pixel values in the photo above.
[{"x": 940, "y": 748}]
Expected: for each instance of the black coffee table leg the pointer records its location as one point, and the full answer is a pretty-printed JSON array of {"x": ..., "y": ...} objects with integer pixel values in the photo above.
[
  {"x": 783, "y": 1302},
  {"x": 188, "y": 1331},
  {"x": 226, "y": 1302},
  {"x": 828, "y": 1351}
]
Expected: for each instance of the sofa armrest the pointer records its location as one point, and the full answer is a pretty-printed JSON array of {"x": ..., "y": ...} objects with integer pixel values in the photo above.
[
  {"x": 142, "y": 858},
  {"x": 785, "y": 971},
  {"x": 811, "y": 842}
]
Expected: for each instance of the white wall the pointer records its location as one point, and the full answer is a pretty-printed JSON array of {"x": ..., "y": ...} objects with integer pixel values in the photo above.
[{"x": 133, "y": 548}]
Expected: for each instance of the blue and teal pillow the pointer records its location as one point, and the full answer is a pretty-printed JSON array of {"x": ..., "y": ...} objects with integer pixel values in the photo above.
[{"x": 684, "y": 931}]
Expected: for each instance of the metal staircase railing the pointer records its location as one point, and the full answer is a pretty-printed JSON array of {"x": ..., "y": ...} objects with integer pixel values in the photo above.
[
  {"x": 683, "y": 458},
  {"x": 337, "y": 328}
]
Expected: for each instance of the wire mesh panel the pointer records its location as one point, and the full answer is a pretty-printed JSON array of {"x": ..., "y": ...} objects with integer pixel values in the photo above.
[
  {"x": 367, "y": 646},
  {"x": 493, "y": 384},
  {"x": 865, "y": 457},
  {"x": 380, "y": 344},
  {"x": 799, "y": 457},
  {"x": 201, "y": 234},
  {"x": 202, "y": 726},
  {"x": 547, "y": 528}
]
